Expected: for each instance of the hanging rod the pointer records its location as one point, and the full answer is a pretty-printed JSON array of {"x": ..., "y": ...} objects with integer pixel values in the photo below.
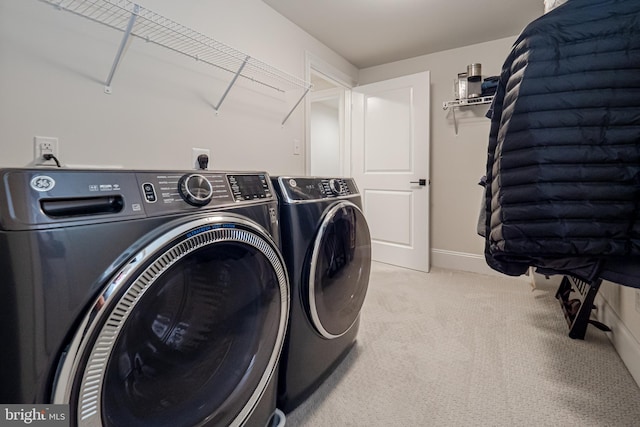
[{"x": 135, "y": 20}]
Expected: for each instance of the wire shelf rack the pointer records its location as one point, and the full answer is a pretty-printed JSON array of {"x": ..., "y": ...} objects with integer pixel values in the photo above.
[
  {"x": 137, "y": 21},
  {"x": 468, "y": 102}
]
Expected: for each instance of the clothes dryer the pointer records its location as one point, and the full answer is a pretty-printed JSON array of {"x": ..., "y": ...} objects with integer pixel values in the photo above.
[
  {"x": 142, "y": 298},
  {"x": 327, "y": 249}
]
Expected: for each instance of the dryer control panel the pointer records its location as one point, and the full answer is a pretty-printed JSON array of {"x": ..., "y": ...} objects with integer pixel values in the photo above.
[{"x": 313, "y": 188}]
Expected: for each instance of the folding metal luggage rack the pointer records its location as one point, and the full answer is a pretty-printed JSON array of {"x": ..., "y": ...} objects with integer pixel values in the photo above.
[{"x": 576, "y": 298}]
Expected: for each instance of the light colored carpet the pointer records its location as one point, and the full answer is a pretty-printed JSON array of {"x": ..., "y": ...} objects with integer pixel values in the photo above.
[{"x": 451, "y": 348}]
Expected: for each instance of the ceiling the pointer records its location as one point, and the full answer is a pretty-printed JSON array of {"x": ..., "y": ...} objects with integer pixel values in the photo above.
[{"x": 374, "y": 32}]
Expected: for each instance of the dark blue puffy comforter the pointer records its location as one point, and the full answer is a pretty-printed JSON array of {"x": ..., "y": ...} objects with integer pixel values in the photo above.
[{"x": 563, "y": 167}]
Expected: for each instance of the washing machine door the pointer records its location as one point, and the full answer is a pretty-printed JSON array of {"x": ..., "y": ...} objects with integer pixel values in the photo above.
[
  {"x": 339, "y": 270},
  {"x": 188, "y": 333}
]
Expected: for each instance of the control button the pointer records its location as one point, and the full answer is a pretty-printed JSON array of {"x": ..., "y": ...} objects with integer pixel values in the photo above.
[
  {"x": 149, "y": 192},
  {"x": 195, "y": 189}
]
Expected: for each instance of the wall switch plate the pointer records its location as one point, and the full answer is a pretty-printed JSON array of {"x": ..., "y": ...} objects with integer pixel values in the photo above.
[
  {"x": 195, "y": 152},
  {"x": 45, "y": 145},
  {"x": 638, "y": 300},
  {"x": 296, "y": 147}
]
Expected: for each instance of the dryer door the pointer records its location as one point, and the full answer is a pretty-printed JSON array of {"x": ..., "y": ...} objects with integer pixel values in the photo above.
[
  {"x": 188, "y": 333},
  {"x": 339, "y": 270}
]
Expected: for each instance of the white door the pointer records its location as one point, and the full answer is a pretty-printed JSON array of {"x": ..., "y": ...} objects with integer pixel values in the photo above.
[{"x": 390, "y": 158}]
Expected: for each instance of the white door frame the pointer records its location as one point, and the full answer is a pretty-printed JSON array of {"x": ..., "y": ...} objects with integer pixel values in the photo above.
[{"x": 343, "y": 81}]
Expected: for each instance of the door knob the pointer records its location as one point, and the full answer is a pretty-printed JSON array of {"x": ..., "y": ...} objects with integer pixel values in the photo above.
[{"x": 419, "y": 182}]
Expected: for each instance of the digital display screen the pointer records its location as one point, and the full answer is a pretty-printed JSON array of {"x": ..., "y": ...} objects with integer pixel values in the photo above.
[{"x": 247, "y": 186}]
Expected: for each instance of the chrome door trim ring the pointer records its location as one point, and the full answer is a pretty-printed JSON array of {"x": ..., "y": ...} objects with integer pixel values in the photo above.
[
  {"x": 204, "y": 233},
  {"x": 326, "y": 219}
]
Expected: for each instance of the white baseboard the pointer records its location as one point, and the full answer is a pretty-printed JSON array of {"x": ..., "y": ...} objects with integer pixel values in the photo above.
[
  {"x": 462, "y": 261},
  {"x": 624, "y": 342}
]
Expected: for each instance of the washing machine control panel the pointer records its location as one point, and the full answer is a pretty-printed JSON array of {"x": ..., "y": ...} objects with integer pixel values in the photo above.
[
  {"x": 305, "y": 188},
  {"x": 178, "y": 191},
  {"x": 43, "y": 198},
  {"x": 164, "y": 192}
]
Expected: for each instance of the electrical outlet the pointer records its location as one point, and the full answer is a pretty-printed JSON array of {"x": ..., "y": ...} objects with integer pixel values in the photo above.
[
  {"x": 44, "y": 145},
  {"x": 195, "y": 152}
]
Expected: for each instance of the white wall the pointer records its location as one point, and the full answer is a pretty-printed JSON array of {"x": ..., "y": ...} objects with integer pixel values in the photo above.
[
  {"x": 457, "y": 161},
  {"x": 325, "y": 139},
  {"x": 52, "y": 71}
]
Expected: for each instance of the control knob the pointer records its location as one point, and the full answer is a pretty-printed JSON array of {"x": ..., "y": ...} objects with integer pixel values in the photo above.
[
  {"x": 335, "y": 187},
  {"x": 195, "y": 189}
]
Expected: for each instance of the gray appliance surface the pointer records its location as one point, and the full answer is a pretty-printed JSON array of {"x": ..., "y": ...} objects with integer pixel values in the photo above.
[
  {"x": 327, "y": 249},
  {"x": 77, "y": 246}
]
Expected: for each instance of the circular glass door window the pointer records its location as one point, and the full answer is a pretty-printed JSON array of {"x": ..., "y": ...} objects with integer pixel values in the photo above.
[
  {"x": 198, "y": 342},
  {"x": 340, "y": 268}
]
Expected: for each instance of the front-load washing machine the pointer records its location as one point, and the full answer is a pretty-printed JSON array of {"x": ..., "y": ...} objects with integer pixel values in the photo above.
[
  {"x": 142, "y": 298},
  {"x": 327, "y": 249}
]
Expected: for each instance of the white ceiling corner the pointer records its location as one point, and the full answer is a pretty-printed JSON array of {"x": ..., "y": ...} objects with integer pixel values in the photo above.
[{"x": 374, "y": 32}]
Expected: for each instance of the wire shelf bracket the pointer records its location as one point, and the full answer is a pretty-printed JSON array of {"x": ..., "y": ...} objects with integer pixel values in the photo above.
[
  {"x": 464, "y": 103},
  {"x": 134, "y": 20},
  {"x": 231, "y": 83},
  {"x": 121, "y": 49}
]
